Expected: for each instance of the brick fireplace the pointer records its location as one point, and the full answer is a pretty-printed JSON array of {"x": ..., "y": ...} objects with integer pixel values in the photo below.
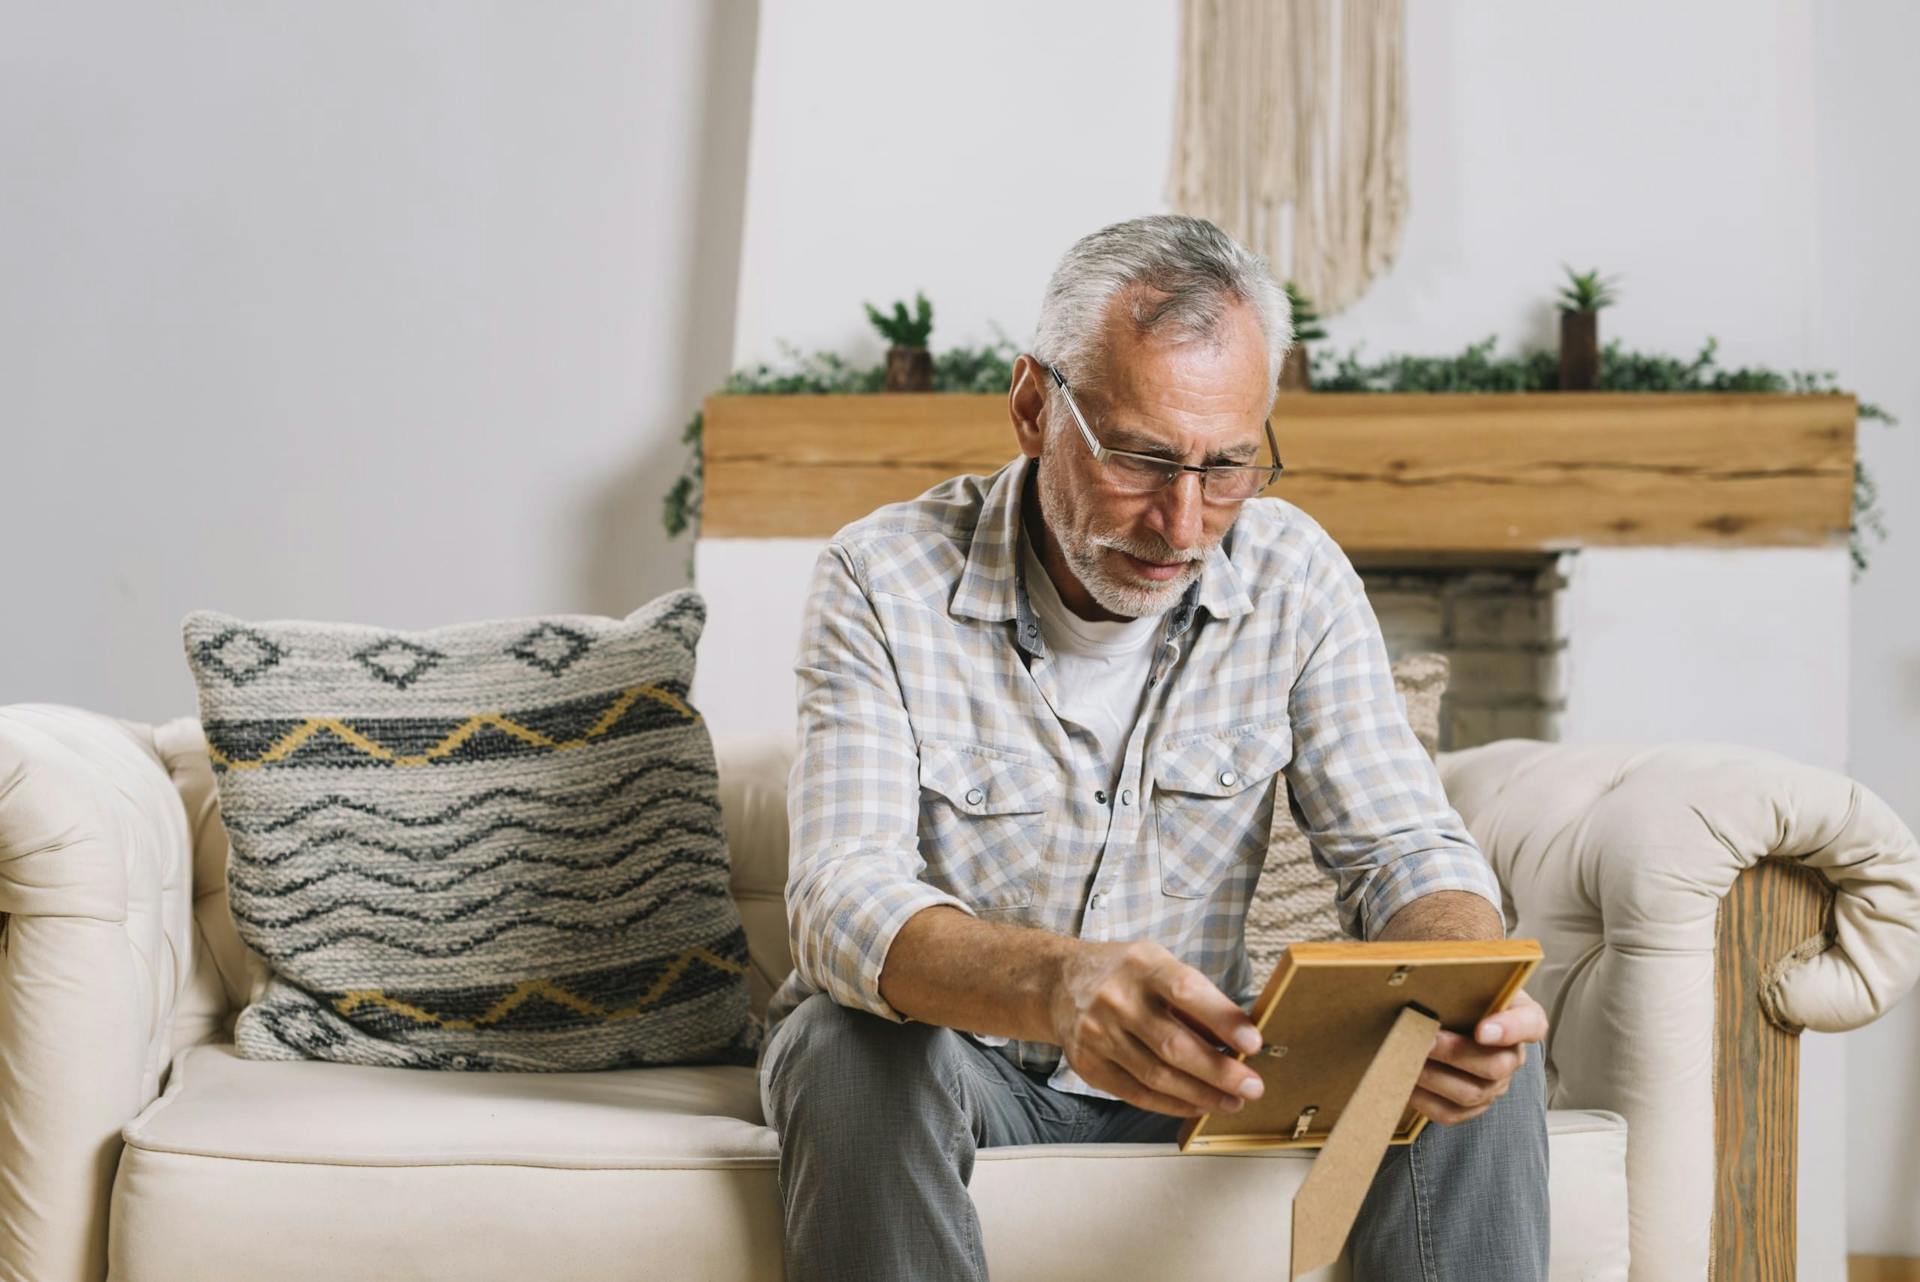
[{"x": 1503, "y": 636}]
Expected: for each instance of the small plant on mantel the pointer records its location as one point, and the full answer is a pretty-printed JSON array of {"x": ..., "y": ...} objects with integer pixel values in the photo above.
[
  {"x": 1581, "y": 299},
  {"x": 909, "y": 363},
  {"x": 1296, "y": 369}
]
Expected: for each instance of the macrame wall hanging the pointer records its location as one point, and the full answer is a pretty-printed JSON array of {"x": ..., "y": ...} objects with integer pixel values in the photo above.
[{"x": 1301, "y": 157}]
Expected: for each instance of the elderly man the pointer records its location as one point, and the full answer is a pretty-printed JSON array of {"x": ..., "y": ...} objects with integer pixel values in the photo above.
[{"x": 1041, "y": 720}]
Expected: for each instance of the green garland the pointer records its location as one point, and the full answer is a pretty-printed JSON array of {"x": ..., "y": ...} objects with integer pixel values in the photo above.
[{"x": 1477, "y": 369}]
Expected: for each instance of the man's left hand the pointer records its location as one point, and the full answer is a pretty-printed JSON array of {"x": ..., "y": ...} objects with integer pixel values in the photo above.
[{"x": 1465, "y": 1075}]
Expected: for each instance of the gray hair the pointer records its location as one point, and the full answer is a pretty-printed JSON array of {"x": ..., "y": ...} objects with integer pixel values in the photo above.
[{"x": 1192, "y": 273}]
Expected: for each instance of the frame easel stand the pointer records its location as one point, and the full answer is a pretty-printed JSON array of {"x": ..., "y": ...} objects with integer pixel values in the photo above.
[{"x": 1325, "y": 1207}]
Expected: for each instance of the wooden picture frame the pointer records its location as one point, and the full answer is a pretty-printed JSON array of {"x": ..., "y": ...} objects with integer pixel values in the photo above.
[{"x": 1325, "y": 1013}]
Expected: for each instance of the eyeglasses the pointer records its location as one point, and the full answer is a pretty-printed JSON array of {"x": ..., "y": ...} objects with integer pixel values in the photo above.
[{"x": 1132, "y": 473}]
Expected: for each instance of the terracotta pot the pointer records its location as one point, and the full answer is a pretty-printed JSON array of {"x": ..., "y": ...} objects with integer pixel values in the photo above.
[
  {"x": 909, "y": 369},
  {"x": 1579, "y": 351},
  {"x": 1296, "y": 370}
]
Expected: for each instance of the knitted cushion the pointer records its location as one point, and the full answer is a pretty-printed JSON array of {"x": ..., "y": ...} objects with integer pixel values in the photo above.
[
  {"x": 1294, "y": 897},
  {"x": 489, "y": 846}
]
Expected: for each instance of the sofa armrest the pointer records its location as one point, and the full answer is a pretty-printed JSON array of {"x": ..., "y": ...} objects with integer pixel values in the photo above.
[
  {"x": 1698, "y": 904},
  {"x": 96, "y": 886}
]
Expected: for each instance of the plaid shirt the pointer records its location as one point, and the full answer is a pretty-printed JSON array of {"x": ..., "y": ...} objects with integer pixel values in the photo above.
[{"x": 931, "y": 768}]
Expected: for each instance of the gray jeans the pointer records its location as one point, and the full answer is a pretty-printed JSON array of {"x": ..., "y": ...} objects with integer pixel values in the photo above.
[{"x": 879, "y": 1123}]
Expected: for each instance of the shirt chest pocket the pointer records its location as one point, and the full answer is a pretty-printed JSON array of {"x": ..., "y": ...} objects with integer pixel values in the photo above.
[
  {"x": 983, "y": 815},
  {"x": 1213, "y": 801}
]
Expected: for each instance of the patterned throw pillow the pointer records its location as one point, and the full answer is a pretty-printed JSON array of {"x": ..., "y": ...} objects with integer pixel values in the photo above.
[
  {"x": 489, "y": 846},
  {"x": 1293, "y": 900}
]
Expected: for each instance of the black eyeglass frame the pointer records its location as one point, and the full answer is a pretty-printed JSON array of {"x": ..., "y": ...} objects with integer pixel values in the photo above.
[{"x": 1102, "y": 453}]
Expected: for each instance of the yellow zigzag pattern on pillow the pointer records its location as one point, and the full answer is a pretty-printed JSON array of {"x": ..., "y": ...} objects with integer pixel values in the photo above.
[
  {"x": 359, "y": 998},
  {"x": 291, "y": 742}
]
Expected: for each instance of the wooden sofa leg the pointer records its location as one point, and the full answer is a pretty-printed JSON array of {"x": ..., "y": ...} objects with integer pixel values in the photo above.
[{"x": 1772, "y": 908}]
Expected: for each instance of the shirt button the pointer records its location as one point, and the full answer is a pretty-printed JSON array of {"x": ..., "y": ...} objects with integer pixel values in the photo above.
[
  {"x": 1100, "y": 795},
  {"x": 975, "y": 796},
  {"x": 1033, "y": 629},
  {"x": 1094, "y": 903},
  {"x": 1228, "y": 778},
  {"x": 1126, "y": 797}
]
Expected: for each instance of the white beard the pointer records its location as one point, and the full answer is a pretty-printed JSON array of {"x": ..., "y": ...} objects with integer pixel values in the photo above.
[{"x": 1130, "y": 598}]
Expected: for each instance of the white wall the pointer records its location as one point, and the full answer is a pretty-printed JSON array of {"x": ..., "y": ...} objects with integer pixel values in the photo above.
[
  {"x": 1741, "y": 645},
  {"x": 388, "y": 313},
  {"x": 1540, "y": 134},
  {"x": 1869, "y": 277},
  {"x": 956, "y": 148}
]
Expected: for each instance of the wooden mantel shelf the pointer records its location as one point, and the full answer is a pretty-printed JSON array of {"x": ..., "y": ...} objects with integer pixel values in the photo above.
[{"x": 1384, "y": 473}]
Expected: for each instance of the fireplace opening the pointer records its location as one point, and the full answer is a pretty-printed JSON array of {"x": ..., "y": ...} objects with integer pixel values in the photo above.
[{"x": 1501, "y": 626}]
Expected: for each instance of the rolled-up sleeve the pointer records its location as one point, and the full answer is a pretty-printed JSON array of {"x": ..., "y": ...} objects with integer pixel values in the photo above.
[
  {"x": 1365, "y": 794},
  {"x": 853, "y": 798}
]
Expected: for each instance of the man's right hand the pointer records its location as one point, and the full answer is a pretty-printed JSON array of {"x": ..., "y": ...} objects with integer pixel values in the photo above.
[{"x": 1135, "y": 1021}]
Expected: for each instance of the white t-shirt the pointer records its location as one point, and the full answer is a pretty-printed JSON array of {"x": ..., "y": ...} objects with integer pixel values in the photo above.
[{"x": 1099, "y": 668}]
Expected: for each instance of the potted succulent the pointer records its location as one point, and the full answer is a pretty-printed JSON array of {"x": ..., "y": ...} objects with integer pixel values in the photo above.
[
  {"x": 1581, "y": 299},
  {"x": 909, "y": 362},
  {"x": 1296, "y": 371}
]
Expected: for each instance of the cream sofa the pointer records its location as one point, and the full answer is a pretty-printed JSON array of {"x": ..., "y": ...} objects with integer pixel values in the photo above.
[{"x": 1680, "y": 893}]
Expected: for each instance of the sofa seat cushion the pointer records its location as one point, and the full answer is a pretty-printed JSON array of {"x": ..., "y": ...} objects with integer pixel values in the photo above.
[
  {"x": 246, "y": 1169},
  {"x": 218, "y": 1104}
]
